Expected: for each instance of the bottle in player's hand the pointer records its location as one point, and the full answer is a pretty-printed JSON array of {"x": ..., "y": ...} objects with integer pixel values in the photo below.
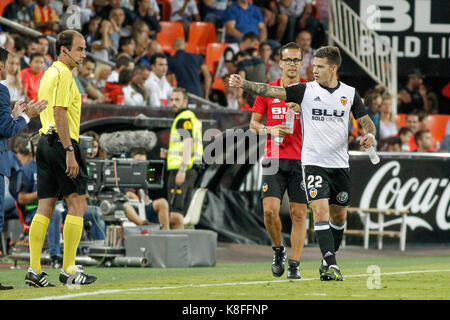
[{"x": 374, "y": 158}]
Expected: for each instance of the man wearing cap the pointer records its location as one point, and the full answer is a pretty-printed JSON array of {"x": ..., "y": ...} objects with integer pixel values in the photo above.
[{"x": 414, "y": 95}]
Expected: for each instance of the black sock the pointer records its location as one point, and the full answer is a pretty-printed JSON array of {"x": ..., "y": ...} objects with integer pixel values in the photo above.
[
  {"x": 325, "y": 239},
  {"x": 338, "y": 233}
]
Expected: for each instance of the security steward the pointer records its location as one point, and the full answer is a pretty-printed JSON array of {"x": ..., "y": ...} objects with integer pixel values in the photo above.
[
  {"x": 185, "y": 152},
  {"x": 61, "y": 168}
]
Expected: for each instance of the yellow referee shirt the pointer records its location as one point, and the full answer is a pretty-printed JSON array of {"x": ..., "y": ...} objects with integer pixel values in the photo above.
[{"x": 59, "y": 88}]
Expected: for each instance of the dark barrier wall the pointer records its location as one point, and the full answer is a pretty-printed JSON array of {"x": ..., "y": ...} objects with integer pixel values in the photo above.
[{"x": 420, "y": 184}]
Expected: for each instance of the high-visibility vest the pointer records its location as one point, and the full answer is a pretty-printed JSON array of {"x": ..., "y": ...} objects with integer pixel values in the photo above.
[{"x": 175, "y": 152}]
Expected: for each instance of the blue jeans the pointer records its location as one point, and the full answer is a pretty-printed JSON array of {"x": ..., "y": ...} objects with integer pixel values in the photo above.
[{"x": 93, "y": 214}]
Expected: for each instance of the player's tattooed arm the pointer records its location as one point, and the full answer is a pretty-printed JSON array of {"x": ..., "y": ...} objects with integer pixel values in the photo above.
[
  {"x": 264, "y": 90},
  {"x": 367, "y": 125}
]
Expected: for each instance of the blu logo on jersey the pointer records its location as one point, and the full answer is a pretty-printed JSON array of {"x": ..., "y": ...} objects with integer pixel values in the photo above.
[{"x": 326, "y": 113}]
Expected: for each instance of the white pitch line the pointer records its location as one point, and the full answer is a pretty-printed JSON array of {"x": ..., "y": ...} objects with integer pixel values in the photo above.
[{"x": 99, "y": 292}]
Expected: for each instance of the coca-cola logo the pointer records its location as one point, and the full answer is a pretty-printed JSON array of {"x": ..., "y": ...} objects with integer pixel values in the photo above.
[{"x": 411, "y": 194}]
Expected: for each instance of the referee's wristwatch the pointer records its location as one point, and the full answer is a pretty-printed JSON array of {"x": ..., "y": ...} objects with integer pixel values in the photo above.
[{"x": 69, "y": 148}]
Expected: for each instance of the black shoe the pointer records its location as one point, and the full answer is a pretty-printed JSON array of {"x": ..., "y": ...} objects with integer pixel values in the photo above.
[
  {"x": 56, "y": 262},
  {"x": 279, "y": 257},
  {"x": 293, "y": 269},
  {"x": 322, "y": 269},
  {"x": 37, "y": 280},
  {"x": 5, "y": 287},
  {"x": 79, "y": 277},
  {"x": 332, "y": 274}
]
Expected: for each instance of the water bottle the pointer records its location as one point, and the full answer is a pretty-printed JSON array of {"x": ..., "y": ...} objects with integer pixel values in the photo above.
[
  {"x": 290, "y": 118},
  {"x": 374, "y": 158}
]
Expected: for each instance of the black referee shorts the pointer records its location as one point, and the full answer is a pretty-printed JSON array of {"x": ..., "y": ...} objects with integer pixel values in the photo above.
[
  {"x": 288, "y": 176},
  {"x": 52, "y": 180}
]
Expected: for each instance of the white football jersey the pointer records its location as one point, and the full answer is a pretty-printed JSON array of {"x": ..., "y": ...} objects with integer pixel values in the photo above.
[{"x": 325, "y": 116}]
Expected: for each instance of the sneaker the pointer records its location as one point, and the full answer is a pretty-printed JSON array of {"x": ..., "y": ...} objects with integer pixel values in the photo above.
[
  {"x": 79, "y": 277},
  {"x": 56, "y": 262},
  {"x": 37, "y": 280},
  {"x": 322, "y": 269},
  {"x": 293, "y": 269},
  {"x": 279, "y": 257},
  {"x": 332, "y": 274}
]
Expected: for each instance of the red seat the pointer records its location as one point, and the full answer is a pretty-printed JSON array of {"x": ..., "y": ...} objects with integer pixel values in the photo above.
[
  {"x": 23, "y": 223},
  {"x": 170, "y": 30},
  {"x": 3, "y": 5},
  {"x": 214, "y": 52},
  {"x": 201, "y": 34}
]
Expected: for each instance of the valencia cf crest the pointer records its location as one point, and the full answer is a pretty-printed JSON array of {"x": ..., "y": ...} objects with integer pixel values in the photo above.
[
  {"x": 265, "y": 187},
  {"x": 342, "y": 197},
  {"x": 344, "y": 101},
  {"x": 313, "y": 192}
]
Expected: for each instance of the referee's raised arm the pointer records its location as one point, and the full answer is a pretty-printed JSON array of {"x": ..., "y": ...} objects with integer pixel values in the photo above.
[{"x": 260, "y": 89}]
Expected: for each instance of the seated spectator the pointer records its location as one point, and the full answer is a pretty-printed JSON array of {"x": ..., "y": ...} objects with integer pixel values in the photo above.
[
  {"x": 134, "y": 93},
  {"x": 157, "y": 84},
  {"x": 424, "y": 141},
  {"x": 225, "y": 65},
  {"x": 187, "y": 67},
  {"x": 148, "y": 12},
  {"x": 13, "y": 80},
  {"x": 303, "y": 40},
  {"x": 184, "y": 11},
  {"x": 86, "y": 78},
  {"x": 322, "y": 7},
  {"x": 46, "y": 19},
  {"x": 117, "y": 19},
  {"x": 102, "y": 47},
  {"x": 31, "y": 77},
  {"x": 20, "y": 49},
  {"x": 269, "y": 10},
  {"x": 105, "y": 11},
  {"x": 393, "y": 144},
  {"x": 412, "y": 122},
  {"x": 123, "y": 62},
  {"x": 7, "y": 41},
  {"x": 423, "y": 120},
  {"x": 43, "y": 48},
  {"x": 265, "y": 52},
  {"x": 233, "y": 98},
  {"x": 213, "y": 11},
  {"x": 242, "y": 17},
  {"x": 405, "y": 135},
  {"x": 90, "y": 31},
  {"x": 156, "y": 211},
  {"x": 295, "y": 15},
  {"x": 373, "y": 100},
  {"x": 414, "y": 95},
  {"x": 19, "y": 11},
  {"x": 141, "y": 36},
  {"x": 102, "y": 73},
  {"x": 153, "y": 48},
  {"x": 114, "y": 90},
  {"x": 127, "y": 48},
  {"x": 251, "y": 68},
  {"x": 32, "y": 46},
  {"x": 275, "y": 71},
  {"x": 388, "y": 124}
]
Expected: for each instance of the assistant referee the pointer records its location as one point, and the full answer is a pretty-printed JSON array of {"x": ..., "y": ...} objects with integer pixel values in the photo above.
[{"x": 61, "y": 169}]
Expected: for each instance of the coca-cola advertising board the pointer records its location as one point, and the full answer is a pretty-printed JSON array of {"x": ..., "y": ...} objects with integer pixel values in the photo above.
[{"x": 404, "y": 181}]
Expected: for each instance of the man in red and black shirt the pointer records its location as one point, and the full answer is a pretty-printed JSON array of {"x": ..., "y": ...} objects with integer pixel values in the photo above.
[{"x": 289, "y": 173}]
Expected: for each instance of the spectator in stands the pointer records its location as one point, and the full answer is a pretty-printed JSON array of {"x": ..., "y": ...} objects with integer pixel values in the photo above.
[
  {"x": 19, "y": 11},
  {"x": 242, "y": 17},
  {"x": 225, "y": 65},
  {"x": 90, "y": 31},
  {"x": 141, "y": 35},
  {"x": 13, "y": 80},
  {"x": 7, "y": 41},
  {"x": 423, "y": 121},
  {"x": 102, "y": 47},
  {"x": 123, "y": 62},
  {"x": 140, "y": 75},
  {"x": 295, "y": 15},
  {"x": 269, "y": 10},
  {"x": 232, "y": 95},
  {"x": 156, "y": 211},
  {"x": 114, "y": 90},
  {"x": 405, "y": 135},
  {"x": 322, "y": 7},
  {"x": 148, "y": 12},
  {"x": 393, "y": 144},
  {"x": 251, "y": 68},
  {"x": 32, "y": 46},
  {"x": 105, "y": 11},
  {"x": 266, "y": 52},
  {"x": 153, "y": 48},
  {"x": 412, "y": 122},
  {"x": 157, "y": 84},
  {"x": 304, "y": 39},
  {"x": 86, "y": 78},
  {"x": 184, "y": 11},
  {"x": 31, "y": 76},
  {"x": 95, "y": 147},
  {"x": 388, "y": 124},
  {"x": 117, "y": 19},
  {"x": 213, "y": 11},
  {"x": 187, "y": 67},
  {"x": 102, "y": 73},
  {"x": 424, "y": 141},
  {"x": 135, "y": 93},
  {"x": 414, "y": 95},
  {"x": 275, "y": 71},
  {"x": 46, "y": 19},
  {"x": 127, "y": 48},
  {"x": 43, "y": 48}
]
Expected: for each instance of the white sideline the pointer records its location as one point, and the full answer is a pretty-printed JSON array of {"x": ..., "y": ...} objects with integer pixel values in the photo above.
[{"x": 99, "y": 292}]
